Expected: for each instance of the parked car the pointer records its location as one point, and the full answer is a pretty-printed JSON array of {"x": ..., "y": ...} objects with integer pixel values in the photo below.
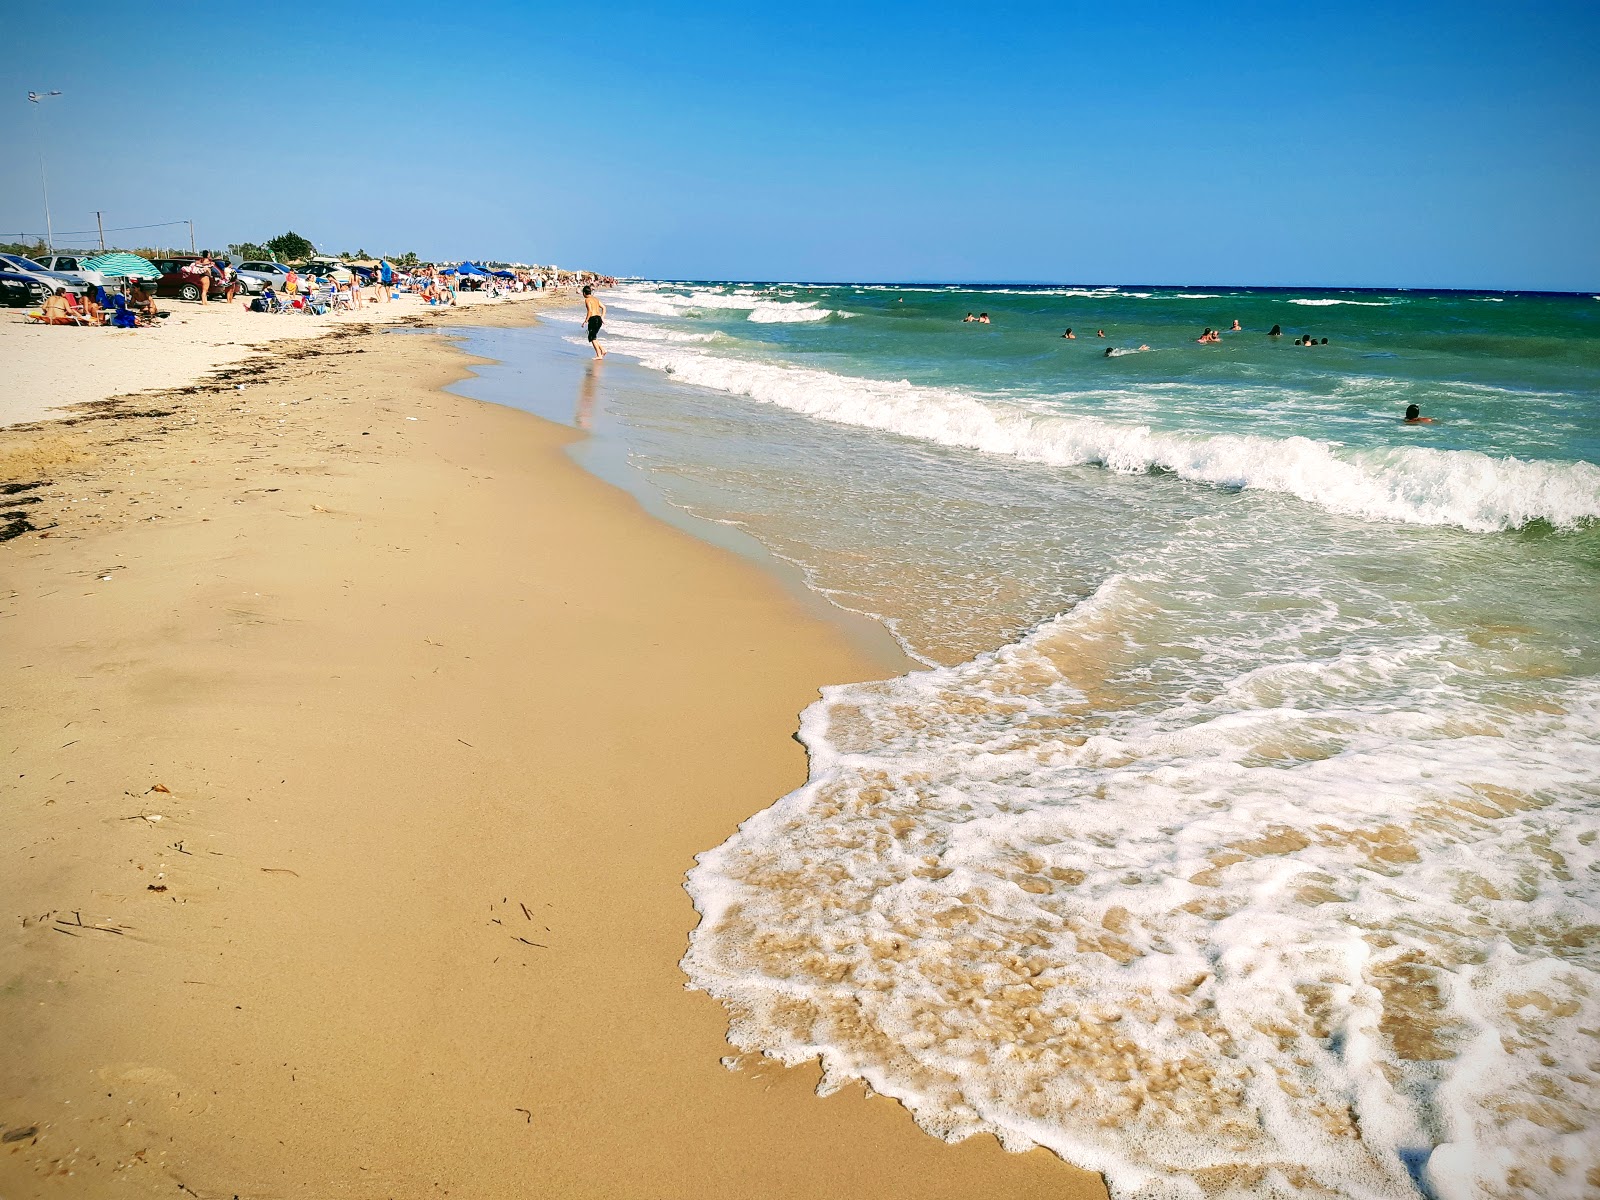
[
  {"x": 272, "y": 273},
  {"x": 50, "y": 279},
  {"x": 72, "y": 264},
  {"x": 175, "y": 284},
  {"x": 21, "y": 291}
]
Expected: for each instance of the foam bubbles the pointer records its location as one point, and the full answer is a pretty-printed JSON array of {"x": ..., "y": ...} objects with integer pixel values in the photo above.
[
  {"x": 1411, "y": 484},
  {"x": 1193, "y": 908}
]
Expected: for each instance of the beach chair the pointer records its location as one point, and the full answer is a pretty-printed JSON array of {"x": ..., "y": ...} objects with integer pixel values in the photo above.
[
  {"x": 123, "y": 317},
  {"x": 319, "y": 301}
]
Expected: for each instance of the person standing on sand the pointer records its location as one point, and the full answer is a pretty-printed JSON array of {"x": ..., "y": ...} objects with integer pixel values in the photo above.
[{"x": 595, "y": 313}]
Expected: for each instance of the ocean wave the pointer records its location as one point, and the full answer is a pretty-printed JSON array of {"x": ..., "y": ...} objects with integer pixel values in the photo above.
[
  {"x": 1197, "y": 296},
  {"x": 782, "y": 313},
  {"x": 759, "y": 307},
  {"x": 1416, "y": 485},
  {"x": 1324, "y": 303},
  {"x": 1310, "y": 936}
]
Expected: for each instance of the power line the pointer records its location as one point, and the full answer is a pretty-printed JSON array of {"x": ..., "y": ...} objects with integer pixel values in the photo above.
[{"x": 120, "y": 228}]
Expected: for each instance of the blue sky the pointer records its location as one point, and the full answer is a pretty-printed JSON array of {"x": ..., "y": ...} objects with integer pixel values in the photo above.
[{"x": 1442, "y": 145}]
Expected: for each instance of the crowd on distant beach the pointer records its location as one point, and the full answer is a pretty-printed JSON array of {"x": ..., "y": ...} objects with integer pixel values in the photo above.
[{"x": 336, "y": 287}]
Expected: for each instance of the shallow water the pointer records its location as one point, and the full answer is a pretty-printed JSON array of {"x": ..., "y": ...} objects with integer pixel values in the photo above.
[{"x": 1240, "y": 839}]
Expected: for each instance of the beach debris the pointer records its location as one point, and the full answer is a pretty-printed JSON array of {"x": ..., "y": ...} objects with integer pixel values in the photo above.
[
  {"x": 281, "y": 871},
  {"x": 527, "y": 1114},
  {"x": 155, "y": 887},
  {"x": 62, "y": 925},
  {"x": 27, "y": 1131},
  {"x": 160, "y": 787}
]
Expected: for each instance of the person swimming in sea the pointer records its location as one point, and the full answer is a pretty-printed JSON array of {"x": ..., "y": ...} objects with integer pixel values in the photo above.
[
  {"x": 1414, "y": 416},
  {"x": 968, "y": 317},
  {"x": 1237, "y": 328},
  {"x": 1100, "y": 333},
  {"x": 1070, "y": 336},
  {"x": 983, "y": 319},
  {"x": 1275, "y": 331}
]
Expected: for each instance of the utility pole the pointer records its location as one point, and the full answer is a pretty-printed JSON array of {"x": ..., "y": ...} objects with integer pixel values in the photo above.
[
  {"x": 49, "y": 231},
  {"x": 101, "y": 226},
  {"x": 192, "y": 250}
]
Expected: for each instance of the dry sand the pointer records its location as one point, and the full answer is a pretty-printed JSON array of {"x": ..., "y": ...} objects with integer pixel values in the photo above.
[
  {"x": 353, "y": 764},
  {"x": 49, "y": 367}
]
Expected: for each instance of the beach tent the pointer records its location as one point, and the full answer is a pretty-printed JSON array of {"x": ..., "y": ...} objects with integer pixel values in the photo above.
[
  {"x": 121, "y": 265},
  {"x": 467, "y": 268},
  {"x": 504, "y": 274}
]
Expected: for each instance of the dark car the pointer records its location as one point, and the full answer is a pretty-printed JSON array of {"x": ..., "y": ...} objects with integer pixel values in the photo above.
[
  {"x": 21, "y": 291},
  {"x": 174, "y": 284}
]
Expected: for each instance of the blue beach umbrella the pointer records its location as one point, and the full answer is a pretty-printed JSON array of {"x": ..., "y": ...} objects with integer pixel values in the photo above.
[{"x": 121, "y": 265}]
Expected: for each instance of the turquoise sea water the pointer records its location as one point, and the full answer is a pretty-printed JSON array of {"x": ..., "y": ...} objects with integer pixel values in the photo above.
[{"x": 1240, "y": 837}]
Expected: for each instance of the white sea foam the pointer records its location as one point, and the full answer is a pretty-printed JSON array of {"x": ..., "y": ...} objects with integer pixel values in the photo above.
[
  {"x": 1300, "y": 928},
  {"x": 760, "y": 308},
  {"x": 1411, "y": 484},
  {"x": 1324, "y": 303},
  {"x": 785, "y": 313},
  {"x": 1196, "y": 296}
]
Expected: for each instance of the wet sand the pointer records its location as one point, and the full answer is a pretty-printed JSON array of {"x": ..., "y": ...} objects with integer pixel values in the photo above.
[{"x": 354, "y": 763}]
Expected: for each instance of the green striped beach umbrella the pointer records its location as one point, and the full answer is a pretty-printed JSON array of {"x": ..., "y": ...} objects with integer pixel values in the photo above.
[{"x": 123, "y": 266}]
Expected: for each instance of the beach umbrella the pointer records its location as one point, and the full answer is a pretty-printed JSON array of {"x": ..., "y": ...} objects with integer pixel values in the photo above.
[{"x": 122, "y": 265}]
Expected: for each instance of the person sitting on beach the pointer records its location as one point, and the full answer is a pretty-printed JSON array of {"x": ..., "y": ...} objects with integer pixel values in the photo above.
[
  {"x": 1275, "y": 331},
  {"x": 1070, "y": 336},
  {"x": 1414, "y": 416},
  {"x": 983, "y": 318},
  {"x": 142, "y": 301},
  {"x": 56, "y": 311},
  {"x": 91, "y": 307}
]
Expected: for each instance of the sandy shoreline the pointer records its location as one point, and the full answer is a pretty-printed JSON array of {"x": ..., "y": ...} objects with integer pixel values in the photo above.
[
  {"x": 53, "y": 367},
  {"x": 359, "y": 744}
]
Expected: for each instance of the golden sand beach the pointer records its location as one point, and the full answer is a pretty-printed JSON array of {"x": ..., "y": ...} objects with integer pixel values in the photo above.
[{"x": 357, "y": 745}]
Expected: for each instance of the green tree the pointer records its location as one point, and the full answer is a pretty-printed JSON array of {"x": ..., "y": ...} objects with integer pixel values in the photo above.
[
  {"x": 249, "y": 250},
  {"x": 291, "y": 247},
  {"x": 408, "y": 259}
]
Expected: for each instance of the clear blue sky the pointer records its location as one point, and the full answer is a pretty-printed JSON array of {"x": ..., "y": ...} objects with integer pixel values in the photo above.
[{"x": 1431, "y": 145}]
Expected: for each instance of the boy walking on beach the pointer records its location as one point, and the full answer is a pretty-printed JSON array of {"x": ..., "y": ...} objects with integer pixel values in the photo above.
[{"x": 595, "y": 312}]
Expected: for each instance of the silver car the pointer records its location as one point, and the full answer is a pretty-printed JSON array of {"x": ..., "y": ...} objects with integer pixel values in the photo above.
[
  {"x": 72, "y": 264},
  {"x": 38, "y": 271},
  {"x": 265, "y": 272}
]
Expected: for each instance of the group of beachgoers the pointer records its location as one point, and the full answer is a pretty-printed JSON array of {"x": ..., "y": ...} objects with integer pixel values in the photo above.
[
  {"x": 338, "y": 288},
  {"x": 1208, "y": 337},
  {"x": 132, "y": 306}
]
